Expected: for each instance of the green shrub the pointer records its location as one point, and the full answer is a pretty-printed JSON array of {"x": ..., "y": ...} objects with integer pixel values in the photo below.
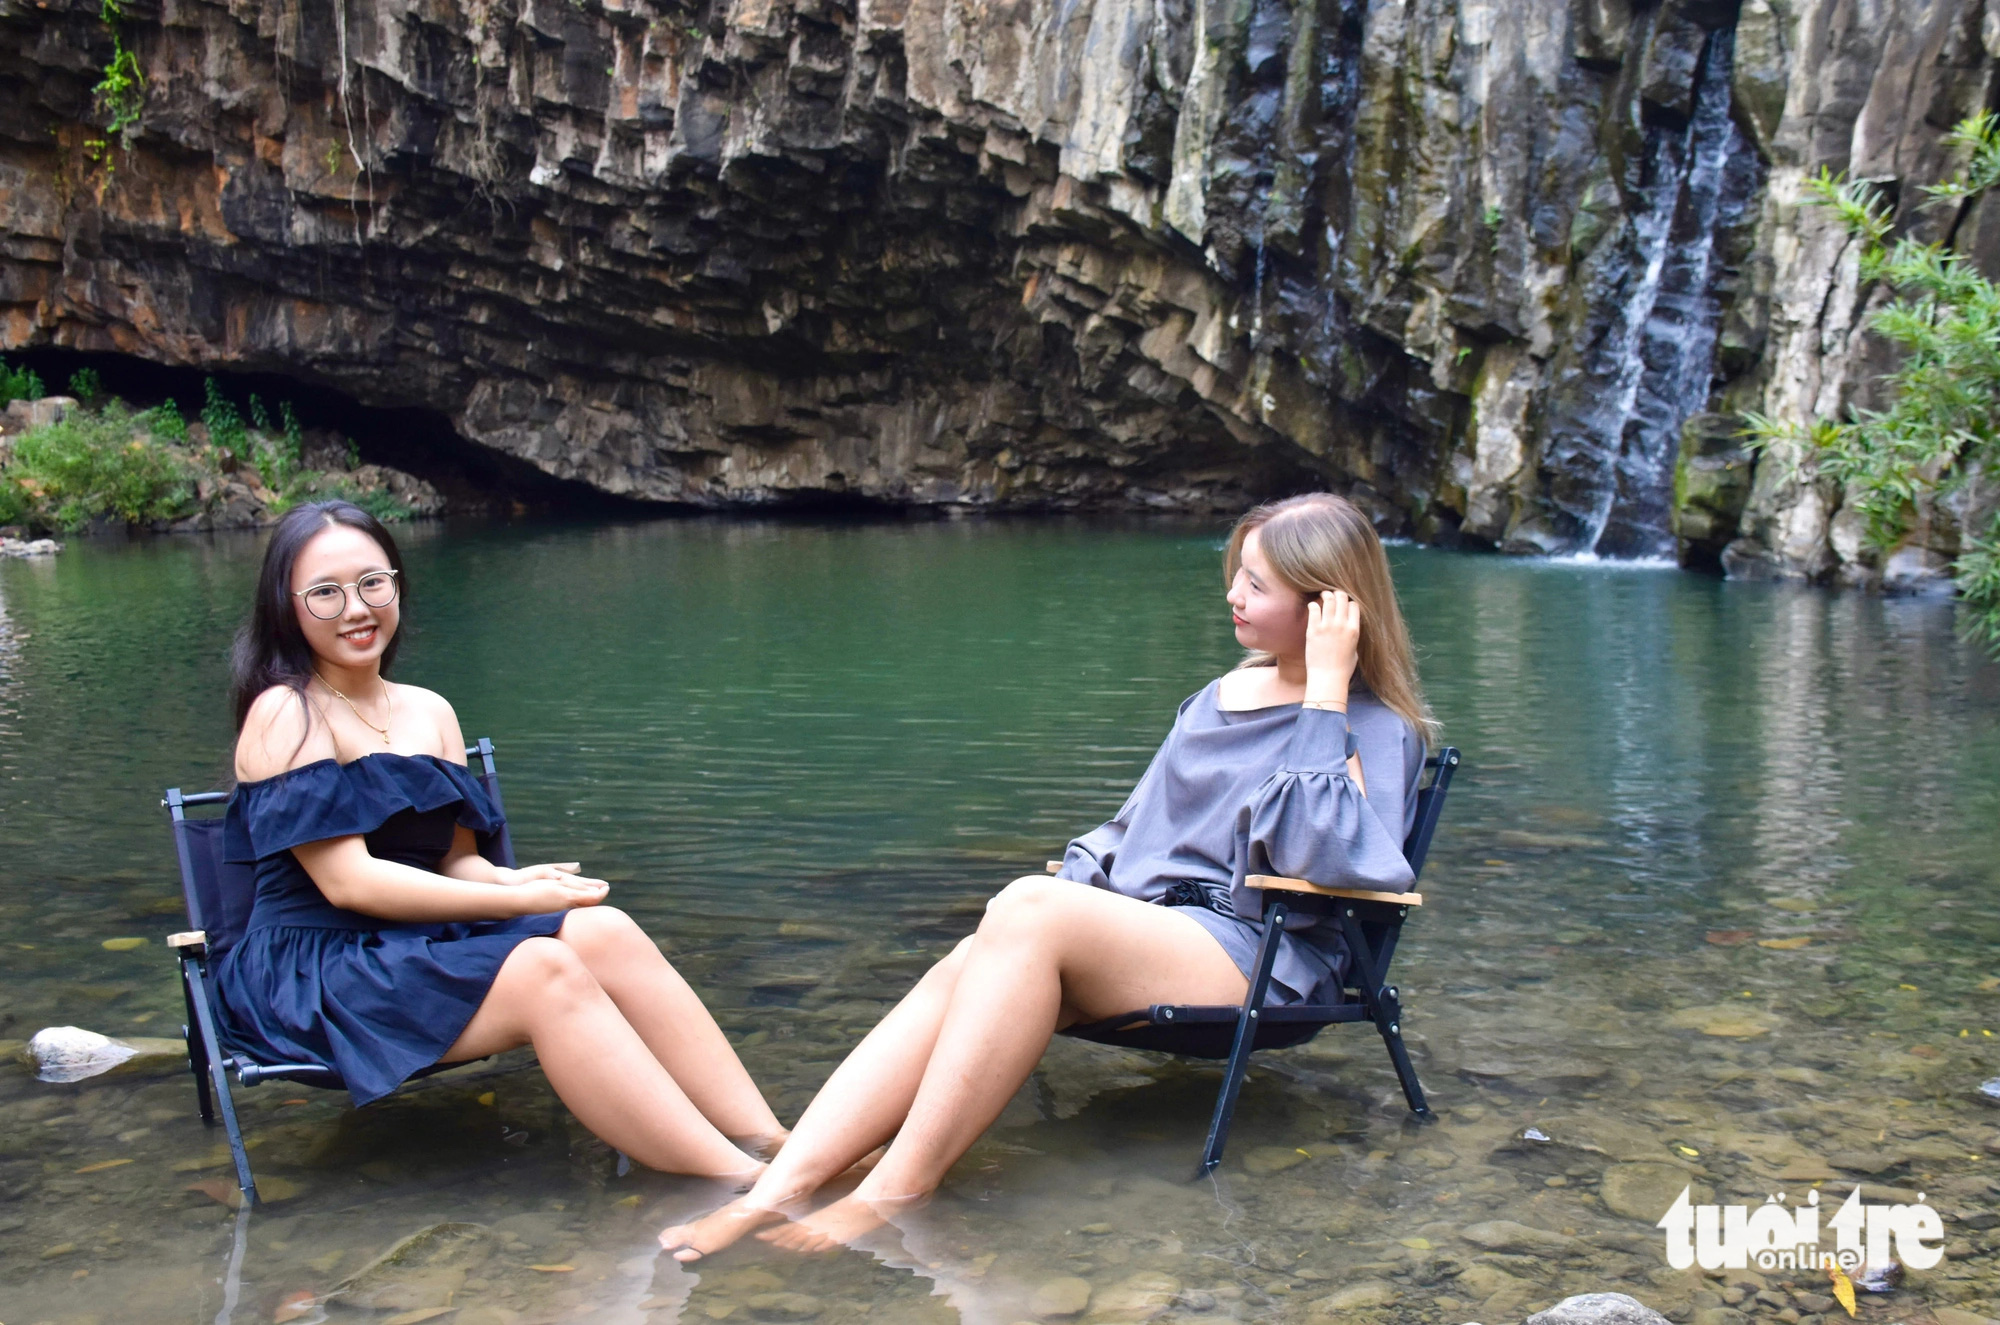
[
  {"x": 165, "y": 422},
  {"x": 87, "y": 386},
  {"x": 19, "y": 384},
  {"x": 91, "y": 464},
  {"x": 380, "y": 502},
  {"x": 15, "y": 505},
  {"x": 225, "y": 424},
  {"x": 1941, "y": 429}
]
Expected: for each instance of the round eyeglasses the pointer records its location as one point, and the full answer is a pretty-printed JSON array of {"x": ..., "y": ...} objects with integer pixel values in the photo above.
[{"x": 328, "y": 600}]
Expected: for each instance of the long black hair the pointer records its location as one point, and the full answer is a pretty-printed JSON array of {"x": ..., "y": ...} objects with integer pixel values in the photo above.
[{"x": 271, "y": 650}]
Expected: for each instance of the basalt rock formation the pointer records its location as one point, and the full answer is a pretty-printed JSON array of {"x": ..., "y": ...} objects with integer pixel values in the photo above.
[{"x": 1484, "y": 265}]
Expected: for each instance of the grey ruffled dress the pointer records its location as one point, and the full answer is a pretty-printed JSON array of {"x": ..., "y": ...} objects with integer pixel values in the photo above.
[{"x": 1264, "y": 791}]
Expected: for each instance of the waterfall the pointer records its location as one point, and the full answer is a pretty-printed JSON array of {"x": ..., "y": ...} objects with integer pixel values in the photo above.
[
  {"x": 1614, "y": 443},
  {"x": 1675, "y": 353}
]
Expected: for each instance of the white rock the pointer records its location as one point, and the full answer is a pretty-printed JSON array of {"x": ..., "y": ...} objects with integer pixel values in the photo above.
[{"x": 71, "y": 1053}]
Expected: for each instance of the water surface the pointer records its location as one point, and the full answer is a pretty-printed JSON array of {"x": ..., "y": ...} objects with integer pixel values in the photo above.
[{"x": 806, "y": 754}]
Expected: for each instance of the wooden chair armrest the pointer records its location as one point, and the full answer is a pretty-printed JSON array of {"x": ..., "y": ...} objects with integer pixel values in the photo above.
[
  {"x": 193, "y": 938},
  {"x": 1357, "y": 894}
]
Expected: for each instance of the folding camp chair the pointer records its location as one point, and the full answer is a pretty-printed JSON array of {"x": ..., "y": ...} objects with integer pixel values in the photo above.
[
  {"x": 1371, "y": 922},
  {"x": 218, "y": 895}
]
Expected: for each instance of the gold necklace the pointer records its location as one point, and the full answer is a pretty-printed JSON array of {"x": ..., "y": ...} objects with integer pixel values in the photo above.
[{"x": 388, "y": 701}]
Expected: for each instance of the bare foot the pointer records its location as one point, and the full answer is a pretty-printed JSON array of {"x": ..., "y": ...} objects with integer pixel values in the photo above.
[
  {"x": 718, "y": 1229},
  {"x": 832, "y": 1226}
]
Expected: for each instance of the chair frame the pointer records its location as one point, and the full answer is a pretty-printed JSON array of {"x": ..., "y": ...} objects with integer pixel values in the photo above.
[
  {"x": 207, "y": 1060},
  {"x": 1371, "y": 923}
]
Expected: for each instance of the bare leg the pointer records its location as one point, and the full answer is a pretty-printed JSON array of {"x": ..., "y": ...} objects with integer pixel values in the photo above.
[
  {"x": 597, "y": 1063},
  {"x": 671, "y": 1018},
  {"x": 1048, "y": 953},
  {"x": 860, "y": 1107}
]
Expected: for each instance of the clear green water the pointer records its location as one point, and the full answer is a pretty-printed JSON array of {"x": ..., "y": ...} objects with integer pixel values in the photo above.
[{"x": 805, "y": 755}]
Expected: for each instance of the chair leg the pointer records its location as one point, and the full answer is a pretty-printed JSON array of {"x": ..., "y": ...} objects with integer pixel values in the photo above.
[
  {"x": 197, "y": 1046},
  {"x": 1246, "y": 1039},
  {"x": 1385, "y": 1008},
  {"x": 218, "y": 1076},
  {"x": 1389, "y": 1021}
]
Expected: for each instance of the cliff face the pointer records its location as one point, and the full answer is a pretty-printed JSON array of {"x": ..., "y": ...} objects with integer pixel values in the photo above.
[{"x": 1476, "y": 262}]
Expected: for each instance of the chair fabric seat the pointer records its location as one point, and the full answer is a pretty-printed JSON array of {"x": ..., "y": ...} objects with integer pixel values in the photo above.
[{"x": 1210, "y": 1032}]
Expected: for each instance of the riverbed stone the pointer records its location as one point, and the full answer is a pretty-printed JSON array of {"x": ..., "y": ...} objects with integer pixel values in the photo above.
[
  {"x": 784, "y": 1306},
  {"x": 1500, "y": 1294},
  {"x": 1738, "y": 1021},
  {"x": 1598, "y": 1309},
  {"x": 426, "y": 1269},
  {"x": 1644, "y": 1191},
  {"x": 1360, "y": 1296},
  {"x": 1506, "y": 1235},
  {"x": 1959, "y": 1316},
  {"x": 1265, "y": 1160},
  {"x": 1137, "y": 1297},
  {"x": 1062, "y": 1297}
]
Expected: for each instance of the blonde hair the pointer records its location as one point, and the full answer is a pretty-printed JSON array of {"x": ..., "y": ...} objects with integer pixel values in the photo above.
[{"x": 1317, "y": 542}]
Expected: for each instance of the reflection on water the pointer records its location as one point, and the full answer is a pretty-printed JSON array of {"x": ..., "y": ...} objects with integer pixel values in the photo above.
[{"x": 806, "y": 755}]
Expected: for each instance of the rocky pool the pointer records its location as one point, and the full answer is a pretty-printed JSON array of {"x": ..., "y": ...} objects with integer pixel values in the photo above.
[{"x": 1713, "y": 905}]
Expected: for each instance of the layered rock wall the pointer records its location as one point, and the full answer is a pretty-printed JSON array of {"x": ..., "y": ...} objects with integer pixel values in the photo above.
[{"x": 1476, "y": 262}]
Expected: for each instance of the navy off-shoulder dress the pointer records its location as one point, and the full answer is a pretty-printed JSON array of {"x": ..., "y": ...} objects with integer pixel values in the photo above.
[{"x": 309, "y": 982}]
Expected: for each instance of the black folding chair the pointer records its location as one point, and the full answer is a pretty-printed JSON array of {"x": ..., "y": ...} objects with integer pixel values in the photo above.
[
  {"x": 1371, "y": 922},
  {"x": 218, "y": 895}
]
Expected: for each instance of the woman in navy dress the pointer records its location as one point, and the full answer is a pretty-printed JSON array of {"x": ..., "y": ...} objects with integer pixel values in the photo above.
[
  {"x": 381, "y": 941},
  {"x": 1303, "y": 762}
]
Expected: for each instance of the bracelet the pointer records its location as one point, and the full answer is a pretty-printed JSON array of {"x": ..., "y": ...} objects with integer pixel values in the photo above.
[{"x": 1325, "y": 705}]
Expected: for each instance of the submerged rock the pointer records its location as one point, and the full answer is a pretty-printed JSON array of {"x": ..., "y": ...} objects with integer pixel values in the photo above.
[
  {"x": 426, "y": 1269},
  {"x": 1060, "y": 1298},
  {"x": 1357, "y": 1297},
  {"x": 1644, "y": 1191},
  {"x": 1598, "y": 1309},
  {"x": 1140, "y": 1297},
  {"x": 1726, "y": 1020},
  {"x": 1506, "y": 1235}
]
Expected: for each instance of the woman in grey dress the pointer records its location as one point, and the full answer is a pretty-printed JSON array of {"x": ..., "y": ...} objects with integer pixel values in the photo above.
[{"x": 1308, "y": 755}]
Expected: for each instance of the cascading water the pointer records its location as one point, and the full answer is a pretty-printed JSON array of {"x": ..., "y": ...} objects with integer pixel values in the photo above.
[
  {"x": 1676, "y": 351},
  {"x": 1615, "y": 438}
]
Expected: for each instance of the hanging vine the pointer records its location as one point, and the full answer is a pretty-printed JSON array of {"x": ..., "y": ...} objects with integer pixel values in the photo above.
[{"x": 120, "y": 93}]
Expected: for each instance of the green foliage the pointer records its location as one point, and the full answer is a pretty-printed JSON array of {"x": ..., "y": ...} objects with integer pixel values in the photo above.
[
  {"x": 120, "y": 92},
  {"x": 225, "y": 424},
  {"x": 16, "y": 507},
  {"x": 142, "y": 467},
  {"x": 380, "y": 503},
  {"x": 281, "y": 458},
  {"x": 87, "y": 386},
  {"x": 164, "y": 421},
  {"x": 260, "y": 419},
  {"x": 1941, "y": 429},
  {"x": 19, "y": 384},
  {"x": 91, "y": 463}
]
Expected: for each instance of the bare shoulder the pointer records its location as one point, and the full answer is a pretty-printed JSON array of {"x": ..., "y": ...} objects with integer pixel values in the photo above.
[
  {"x": 416, "y": 699},
  {"x": 438, "y": 712},
  {"x": 1245, "y": 688},
  {"x": 280, "y": 732}
]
